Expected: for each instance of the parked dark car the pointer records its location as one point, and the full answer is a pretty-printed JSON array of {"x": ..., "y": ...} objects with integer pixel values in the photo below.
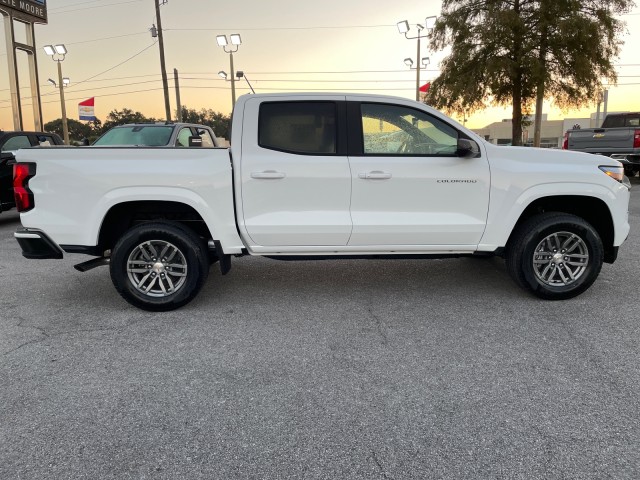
[{"x": 9, "y": 143}]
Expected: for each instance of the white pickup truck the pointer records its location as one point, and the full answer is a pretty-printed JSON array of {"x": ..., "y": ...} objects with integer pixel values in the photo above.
[{"x": 313, "y": 176}]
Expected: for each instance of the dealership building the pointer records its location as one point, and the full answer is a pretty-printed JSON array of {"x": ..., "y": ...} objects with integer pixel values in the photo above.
[{"x": 552, "y": 131}]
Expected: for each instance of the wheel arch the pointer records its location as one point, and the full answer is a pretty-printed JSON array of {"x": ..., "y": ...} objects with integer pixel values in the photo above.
[
  {"x": 122, "y": 216},
  {"x": 592, "y": 209}
]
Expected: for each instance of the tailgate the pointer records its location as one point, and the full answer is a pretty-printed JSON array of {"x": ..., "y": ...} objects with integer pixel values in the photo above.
[{"x": 600, "y": 140}]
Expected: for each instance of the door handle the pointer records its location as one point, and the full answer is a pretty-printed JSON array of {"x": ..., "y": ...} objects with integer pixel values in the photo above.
[
  {"x": 375, "y": 175},
  {"x": 268, "y": 174}
]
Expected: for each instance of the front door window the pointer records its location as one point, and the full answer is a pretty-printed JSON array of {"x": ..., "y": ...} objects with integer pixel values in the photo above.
[{"x": 397, "y": 130}]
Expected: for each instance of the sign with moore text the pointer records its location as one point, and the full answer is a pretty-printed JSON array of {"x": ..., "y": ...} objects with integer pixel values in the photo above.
[{"x": 33, "y": 11}]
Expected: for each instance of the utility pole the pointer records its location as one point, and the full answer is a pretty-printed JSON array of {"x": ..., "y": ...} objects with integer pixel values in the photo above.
[
  {"x": 600, "y": 97},
  {"x": 165, "y": 83},
  {"x": 178, "y": 104}
]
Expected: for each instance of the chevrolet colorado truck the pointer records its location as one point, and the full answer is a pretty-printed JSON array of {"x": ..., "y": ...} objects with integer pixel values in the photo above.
[
  {"x": 317, "y": 176},
  {"x": 618, "y": 137}
]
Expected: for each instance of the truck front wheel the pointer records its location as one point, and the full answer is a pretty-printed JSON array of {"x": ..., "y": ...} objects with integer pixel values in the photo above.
[
  {"x": 555, "y": 255},
  {"x": 159, "y": 266}
]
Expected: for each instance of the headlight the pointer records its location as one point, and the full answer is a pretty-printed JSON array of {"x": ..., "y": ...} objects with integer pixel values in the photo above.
[{"x": 617, "y": 173}]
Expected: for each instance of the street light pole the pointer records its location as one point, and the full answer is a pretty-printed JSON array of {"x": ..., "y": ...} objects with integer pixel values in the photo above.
[
  {"x": 236, "y": 41},
  {"x": 65, "y": 124},
  {"x": 165, "y": 83},
  {"x": 425, "y": 63},
  {"x": 403, "y": 27},
  {"x": 233, "y": 81},
  {"x": 418, "y": 66},
  {"x": 57, "y": 54}
]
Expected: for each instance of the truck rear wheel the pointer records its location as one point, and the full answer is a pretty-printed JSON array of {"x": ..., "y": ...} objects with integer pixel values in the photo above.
[
  {"x": 159, "y": 266},
  {"x": 555, "y": 255}
]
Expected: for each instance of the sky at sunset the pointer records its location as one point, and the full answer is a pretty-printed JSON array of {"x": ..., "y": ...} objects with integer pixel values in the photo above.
[{"x": 287, "y": 45}]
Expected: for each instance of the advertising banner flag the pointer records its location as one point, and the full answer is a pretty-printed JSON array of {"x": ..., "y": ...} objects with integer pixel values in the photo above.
[
  {"x": 425, "y": 88},
  {"x": 86, "y": 110}
]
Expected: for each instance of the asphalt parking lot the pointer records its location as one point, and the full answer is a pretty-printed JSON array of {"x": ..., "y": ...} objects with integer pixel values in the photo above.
[{"x": 335, "y": 369}]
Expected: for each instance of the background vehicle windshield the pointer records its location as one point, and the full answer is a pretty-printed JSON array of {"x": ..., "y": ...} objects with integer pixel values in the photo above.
[{"x": 147, "y": 135}]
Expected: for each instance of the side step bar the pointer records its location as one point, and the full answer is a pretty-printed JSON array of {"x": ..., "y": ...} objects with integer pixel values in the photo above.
[{"x": 91, "y": 264}]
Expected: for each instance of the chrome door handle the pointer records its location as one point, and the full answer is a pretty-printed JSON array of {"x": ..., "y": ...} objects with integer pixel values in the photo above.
[
  {"x": 268, "y": 174},
  {"x": 375, "y": 175}
]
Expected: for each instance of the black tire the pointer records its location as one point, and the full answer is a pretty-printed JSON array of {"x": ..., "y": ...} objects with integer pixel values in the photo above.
[
  {"x": 537, "y": 261},
  {"x": 184, "y": 269}
]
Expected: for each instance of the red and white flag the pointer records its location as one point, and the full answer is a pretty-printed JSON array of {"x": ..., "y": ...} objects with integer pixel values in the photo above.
[{"x": 86, "y": 110}]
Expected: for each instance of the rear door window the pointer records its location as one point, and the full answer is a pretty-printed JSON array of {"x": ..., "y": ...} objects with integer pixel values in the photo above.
[{"x": 298, "y": 127}]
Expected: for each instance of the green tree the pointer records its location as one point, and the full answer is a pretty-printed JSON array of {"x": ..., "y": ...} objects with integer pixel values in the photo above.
[
  {"x": 220, "y": 123},
  {"x": 77, "y": 130},
  {"x": 122, "y": 117},
  {"x": 576, "y": 44},
  {"x": 510, "y": 52}
]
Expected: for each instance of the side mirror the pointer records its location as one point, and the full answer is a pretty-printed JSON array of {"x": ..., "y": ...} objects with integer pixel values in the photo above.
[
  {"x": 195, "y": 141},
  {"x": 85, "y": 142},
  {"x": 467, "y": 148}
]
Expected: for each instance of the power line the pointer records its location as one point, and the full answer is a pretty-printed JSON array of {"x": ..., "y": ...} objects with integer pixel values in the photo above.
[
  {"x": 62, "y": 7},
  {"x": 308, "y": 81},
  {"x": 263, "y": 88},
  {"x": 337, "y": 72},
  {"x": 306, "y": 89},
  {"x": 90, "y": 8},
  {"x": 247, "y": 29},
  {"x": 98, "y": 39},
  {"x": 119, "y": 64},
  {"x": 97, "y": 96},
  {"x": 108, "y": 38},
  {"x": 105, "y": 71},
  {"x": 245, "y": 88}
]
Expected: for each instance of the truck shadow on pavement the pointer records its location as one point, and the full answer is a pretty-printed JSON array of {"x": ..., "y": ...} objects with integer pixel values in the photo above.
[{"x": 9, "y": 217}]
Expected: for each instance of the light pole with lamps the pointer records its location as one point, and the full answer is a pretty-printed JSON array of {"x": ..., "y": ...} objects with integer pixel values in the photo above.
[
  {"x": 403, "y": 27},
  {"x": 239, "y": 74},
  {"x": 235, "y": 42},
  {"x": 425, "y": 63},
  {"x": 57, "y": 54}
]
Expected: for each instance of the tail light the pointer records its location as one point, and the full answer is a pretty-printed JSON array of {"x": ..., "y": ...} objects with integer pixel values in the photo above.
[
  {"x": 565, "y": 141},
  {"x": 636, "y": 139},
  {"x": 22, "y": 172}
]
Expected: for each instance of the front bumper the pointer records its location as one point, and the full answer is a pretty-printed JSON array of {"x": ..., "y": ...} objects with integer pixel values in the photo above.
[{"x": 36, "y": 244}]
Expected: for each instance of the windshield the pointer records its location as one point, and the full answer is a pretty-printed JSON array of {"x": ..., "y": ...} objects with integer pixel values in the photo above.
[{"x": 145, "y": 135}]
